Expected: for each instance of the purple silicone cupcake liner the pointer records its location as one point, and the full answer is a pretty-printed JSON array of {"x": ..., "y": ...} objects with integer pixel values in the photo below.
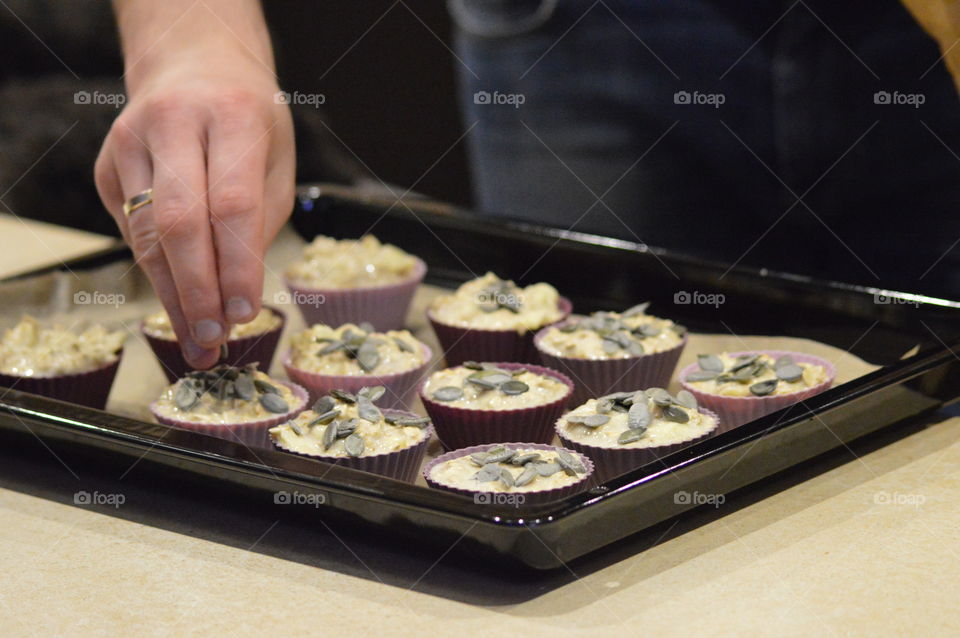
[
  {"x": 736, "y": 411},
  {"x": 89, "y": 388},
  {"x": 459, "y": 427},
  {"x": 465, "y": 344},
  {"x": 402, "y": 464},
  {"x": 596, "y": 377},
  {"x": 254, "y": 349},
  {"x": 401, "y": 387},
  {"x": 530, "y": 498},
  {"x": 612, "y": 462},
  {"x": 251, "y": 433},
  {"x": 385, "y": 307}
]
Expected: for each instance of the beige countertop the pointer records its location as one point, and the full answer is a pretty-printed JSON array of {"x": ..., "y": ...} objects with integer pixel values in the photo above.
[{"x": 865, "y": 541}]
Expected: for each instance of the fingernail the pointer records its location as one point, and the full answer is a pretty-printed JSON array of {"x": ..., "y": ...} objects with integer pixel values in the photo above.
[
  {"x": 207, "y": 331},
  {"x": 238, "y": 309},
  {"x": 193, "y": 353}
]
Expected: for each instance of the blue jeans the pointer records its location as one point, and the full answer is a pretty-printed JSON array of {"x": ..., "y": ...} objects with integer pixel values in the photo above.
[{"x": 822, "y": 139}]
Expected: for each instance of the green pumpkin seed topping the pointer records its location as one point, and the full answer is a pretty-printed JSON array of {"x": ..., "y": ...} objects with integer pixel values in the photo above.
[
  {"x": 641, "y": 407},
  {"x": 336, "y": 423},
  {"x": 228, "y": 386},
  {"x": 496, "y": 462},
  {"x": 486, "y": 377},
  {"x": 752, "y": 370}
]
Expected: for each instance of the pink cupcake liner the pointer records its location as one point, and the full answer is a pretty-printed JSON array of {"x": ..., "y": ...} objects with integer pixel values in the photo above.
[
  {"x": 459, "y": 427},
  {"x": 596, "y": 377},
  {"x": 251, "y": 433},
  {"x": 253, "y": 349},
  {"x": 736, "y": 411},
  {"x": 530, "y": 498},
  {"x": 401, "y": 464},
  {"x": 385, "y": 307},
  {"x": 475, "y": 344},
  {"x": 90, "y": 388},
  {"x": 612, "y": 462},
  {"x": 401, "y": 386}
]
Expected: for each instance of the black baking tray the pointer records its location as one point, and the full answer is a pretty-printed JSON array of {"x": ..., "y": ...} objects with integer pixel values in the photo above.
[{"x": 595, "y": 272}]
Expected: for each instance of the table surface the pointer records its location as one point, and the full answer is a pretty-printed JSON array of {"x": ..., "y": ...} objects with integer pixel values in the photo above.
[{"x": 863, "y": 541}]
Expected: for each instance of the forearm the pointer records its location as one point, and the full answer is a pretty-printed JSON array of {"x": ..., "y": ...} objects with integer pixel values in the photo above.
[{"x": 156, "y": 34}]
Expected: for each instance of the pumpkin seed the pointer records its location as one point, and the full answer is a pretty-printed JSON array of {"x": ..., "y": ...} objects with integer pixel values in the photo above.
[
  {"x": 589, "y": 420},
  {"x": 790, "y": 372},
  {"x": 638, "y": 418},
  {"x": 243, "y": 387},
  {"x": 546, "y": 469},
  {"x": 265, "y": 387},
  {"x": 687, "y": 400},
  {"x": 610, "y": 346},
  {"x": 324, "y": 404},
  {"x": 639, "y": 309},
  {"x": 763, "y": 388},
  {"x": 649, "y": 330},
  {"x": 701, "y": 375},
  {"x": 448, "y": 393},
  {"x": 481, "y": 382},
  {"x": 326, "y": 417},
  {"x": 366, "y": 326},
  {"x": 518, "y": 371},
  {"x": 513, "y": 388},
  {"x": 506, "y": 477},
  {"x": 344, "y": 396},
  {"x": 367, "y": 410},
  {"x": 274, "y": 403},
  {"x": 523, "y": 459},
  {"x": 500, "y": 455},
  {"x": 569, "y": 464},
  {"x": 346, "y": 428},
  {"x": 629, "y": 436},
  {"x": 635, "y": 349},
  {"x": 675, "y": 414},
  {"x": 331, "y": 347},
  {"x": 353, "y": 445},
  {"x": 329, "y": 435},
  {"x": 526, "y": 476},
  {"x": 660, "y": 397},
  {"x": 373, "y": 392},
  {"x": 784, "y": 360},
  {"x": 368, "y": 358},
  {"x": 569, "y": 327},
  {"x": 224, "y": 351},
  {"x": 417, "y": 422},
  {"x": 479, "y": 458},
  {"x": 296, "y": 429},
  {"x": 185, "y": 396},
  {"x": 403, "y": 345},
  {"x": 710, "y": 362},
  {"x": 488, "y": 473},
  {"x": 472, "y": 365}
]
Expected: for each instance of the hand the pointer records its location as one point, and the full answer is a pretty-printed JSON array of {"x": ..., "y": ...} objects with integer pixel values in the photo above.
[{"x": 207, "y": 134}]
